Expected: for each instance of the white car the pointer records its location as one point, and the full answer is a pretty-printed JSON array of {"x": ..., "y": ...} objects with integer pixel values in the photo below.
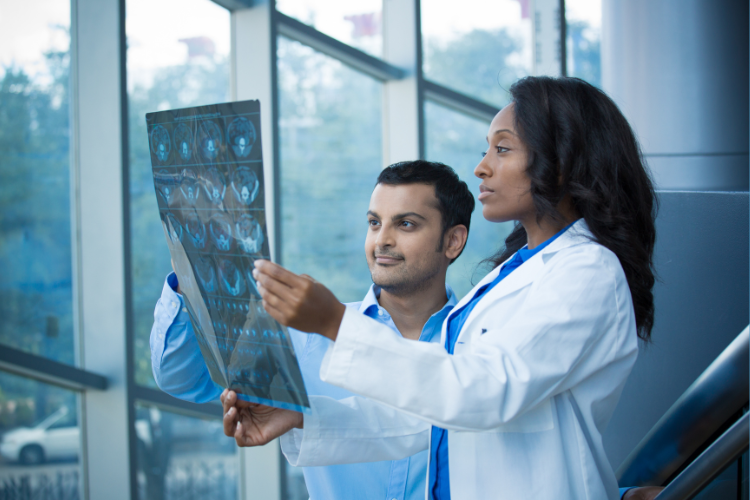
[{"x": 56, "y": 437}]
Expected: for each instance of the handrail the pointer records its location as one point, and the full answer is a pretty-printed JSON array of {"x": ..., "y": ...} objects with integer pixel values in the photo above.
[
  {"x": 715, "y": 396},
  {"x": 710, "y": 463}
]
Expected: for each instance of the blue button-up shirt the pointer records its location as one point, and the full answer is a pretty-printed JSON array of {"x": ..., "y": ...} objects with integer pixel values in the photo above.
[{"x": 179, "y": 370}]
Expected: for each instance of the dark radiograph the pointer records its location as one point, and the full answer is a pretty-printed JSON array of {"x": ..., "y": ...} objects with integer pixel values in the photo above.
[
  {"x": 220, "y": 228},
  {"x": 209, "y": 139},
  {"x": 231, "y": 278},
  {"x": 196, "y": 231},
  {"x": 249, "y": 234},
  {"x": 241, "y": 136},
  {"x": 175, "y": 228},
  {"x": 215, "y": 186},
  {"x": 160, "y": 143},
  {"x": 204, "y": 271},
  {"x": 166, "y": 185},
  {"x": 245, "y": 185},
  {"x": 245, "y": 349},
  {"x": 183, "y": 141}
]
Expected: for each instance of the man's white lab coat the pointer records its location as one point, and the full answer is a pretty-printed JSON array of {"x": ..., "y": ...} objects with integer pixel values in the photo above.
[{"x": 537, "y": 372}]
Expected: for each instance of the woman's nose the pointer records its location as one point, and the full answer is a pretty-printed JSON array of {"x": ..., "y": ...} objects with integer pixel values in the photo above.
[{"x": 482, "y": 170}]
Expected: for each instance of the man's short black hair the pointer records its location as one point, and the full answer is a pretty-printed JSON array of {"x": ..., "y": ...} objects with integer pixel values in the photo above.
[{"x": 455, "y": 201}]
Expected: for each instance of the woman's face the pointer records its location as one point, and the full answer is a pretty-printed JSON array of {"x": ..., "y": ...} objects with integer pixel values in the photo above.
[{"x": 505, "y": 188}]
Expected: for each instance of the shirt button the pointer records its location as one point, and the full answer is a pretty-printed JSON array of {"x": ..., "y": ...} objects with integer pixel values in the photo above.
[
  {"x": 174, "y": 304},
  {"x": 184, "y": 309},
  {"x": 380, "y": 312}
]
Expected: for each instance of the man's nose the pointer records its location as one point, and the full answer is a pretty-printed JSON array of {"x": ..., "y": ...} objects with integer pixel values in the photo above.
[{"x": 385, "y": 237}]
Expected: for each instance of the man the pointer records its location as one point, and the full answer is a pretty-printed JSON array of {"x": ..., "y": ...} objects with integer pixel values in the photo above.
[{"x": 418, "y": 223}]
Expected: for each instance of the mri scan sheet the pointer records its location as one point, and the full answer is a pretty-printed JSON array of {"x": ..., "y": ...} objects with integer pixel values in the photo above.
[{"x": 208, "y": 174}]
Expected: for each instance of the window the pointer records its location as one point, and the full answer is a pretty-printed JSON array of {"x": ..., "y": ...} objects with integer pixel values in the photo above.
[
  {"x": 178, "y": 56},
  {"x": 584, "y": 35},
  {"x": 36, "y": 302},
  {"x": 330, "y": 134}
]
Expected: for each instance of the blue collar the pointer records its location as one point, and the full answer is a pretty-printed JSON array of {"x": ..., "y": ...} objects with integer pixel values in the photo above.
[
  {"x": 370, "y": 305},
  {"x": 525, "y": 253}
]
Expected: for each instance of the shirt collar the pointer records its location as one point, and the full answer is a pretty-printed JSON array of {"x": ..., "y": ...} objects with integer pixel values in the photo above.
[
  {"x": 370, "y": 305},
  {"x": 525, "y": 253}
]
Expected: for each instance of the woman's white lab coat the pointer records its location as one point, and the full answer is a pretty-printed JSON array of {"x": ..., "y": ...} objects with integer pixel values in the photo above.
[{"x": 537, "y": 372}]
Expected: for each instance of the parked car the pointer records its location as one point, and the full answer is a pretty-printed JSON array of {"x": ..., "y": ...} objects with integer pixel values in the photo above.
[{"x": 55, "y": 437}]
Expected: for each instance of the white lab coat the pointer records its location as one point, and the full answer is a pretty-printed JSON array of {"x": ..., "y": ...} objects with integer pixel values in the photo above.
[{"x": 537, "y": 372}]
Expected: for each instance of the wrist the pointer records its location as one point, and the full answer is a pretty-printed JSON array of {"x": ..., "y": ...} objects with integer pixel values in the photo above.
[
  {"x": 300, "y": 422},
  {"x": 332, "y": 330}
]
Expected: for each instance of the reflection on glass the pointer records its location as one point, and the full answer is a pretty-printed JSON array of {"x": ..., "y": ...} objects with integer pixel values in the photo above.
[
  {"x": 35, "y": 251},
  {"x": 330, "y": 159},
  {"x": 480, "y": 52},
  {"x": 183, "y": 457},
  {"x": 355, "y": 23},
  {"x": 40, "y": 440},
  {"x": 458, "y": 141},
  {"x": 584, "y": 33},
  {"x": 178, "y": 56}
]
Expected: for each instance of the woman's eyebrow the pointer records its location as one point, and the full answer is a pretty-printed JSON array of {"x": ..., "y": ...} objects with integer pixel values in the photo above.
[{"x": 503, "y": 130}]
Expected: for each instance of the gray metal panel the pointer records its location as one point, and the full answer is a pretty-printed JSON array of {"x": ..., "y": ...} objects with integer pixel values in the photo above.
[
  {"x": 700, "y": 172},
  {"x": 679, "y": 71},
  {"x": 701, "y": 303},
  {"x": 459, "y": 102},
  {"x": 47, "y": 370}
]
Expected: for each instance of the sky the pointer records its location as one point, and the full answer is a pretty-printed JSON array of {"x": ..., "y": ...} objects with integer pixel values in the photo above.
[{"x": 26, "y": 28}]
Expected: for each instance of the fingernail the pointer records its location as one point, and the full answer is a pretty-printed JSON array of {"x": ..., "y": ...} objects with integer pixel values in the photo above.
[{"x": 230, "y": 412}]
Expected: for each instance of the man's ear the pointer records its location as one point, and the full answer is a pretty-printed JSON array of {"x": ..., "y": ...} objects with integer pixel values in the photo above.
[{"x": 455, "y": 240}]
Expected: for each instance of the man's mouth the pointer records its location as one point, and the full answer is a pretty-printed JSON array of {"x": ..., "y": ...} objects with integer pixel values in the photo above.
[{"x": 387, "y": 259}]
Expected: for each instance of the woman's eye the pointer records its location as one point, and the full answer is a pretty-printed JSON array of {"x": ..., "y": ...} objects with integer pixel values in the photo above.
[{"x": 501, "y": 149}]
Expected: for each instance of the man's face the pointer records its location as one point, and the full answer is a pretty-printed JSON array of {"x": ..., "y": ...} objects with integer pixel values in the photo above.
[{"x": 403, "y": 244}]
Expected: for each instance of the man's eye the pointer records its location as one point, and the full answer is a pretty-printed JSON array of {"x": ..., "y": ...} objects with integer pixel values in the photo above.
[
  {"x": 407, "y": 223},
  {"x": 373, "y": 222}
]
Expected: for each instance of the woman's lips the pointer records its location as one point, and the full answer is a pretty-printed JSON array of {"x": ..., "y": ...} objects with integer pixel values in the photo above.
[{"x": 484, "y": 192}]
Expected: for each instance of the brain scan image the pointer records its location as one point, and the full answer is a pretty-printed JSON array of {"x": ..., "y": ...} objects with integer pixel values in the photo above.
[
  {"x": 160, "y": 143},
  {"x": 245, "y": 185},
  {"x": 215, "y": 186},
  {"x": 252, "y": 286},
  {"x": 249, "y": 234},
  {"x": 241, "y": 136},
  {"x": 189, "y": 186},
  {"x": 174, "y": 228},
  {"x": 206, "y": 274},
  {"x": 209, "y": 139},
  {"x": 166, "y": 185},
  {"x": 183, "y": 141},
  {"x": 231, "y": 278},
  {"x": 220, "y": 228},
  {"x": 196, "y": 231}
]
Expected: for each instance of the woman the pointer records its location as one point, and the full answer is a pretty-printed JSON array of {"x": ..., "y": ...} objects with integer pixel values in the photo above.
[{"x": 537, "y": 353}]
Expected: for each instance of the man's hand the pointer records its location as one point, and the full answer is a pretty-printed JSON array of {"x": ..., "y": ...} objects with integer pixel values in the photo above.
[
  {"x": 645, "y": 493},
  {"x": 298, "y": 301},
  {"x": 252, "y": 424}
]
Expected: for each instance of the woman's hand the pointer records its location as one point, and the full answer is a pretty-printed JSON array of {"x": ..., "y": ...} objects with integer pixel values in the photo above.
[
  {"x": 296, "y": 301},
  {"x": 252, "y": 424}
]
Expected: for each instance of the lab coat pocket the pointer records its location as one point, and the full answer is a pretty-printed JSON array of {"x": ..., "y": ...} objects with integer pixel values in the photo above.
[{"x": 537, "y": 419}]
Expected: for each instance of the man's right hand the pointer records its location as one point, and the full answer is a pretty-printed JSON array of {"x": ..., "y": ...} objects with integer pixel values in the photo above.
[{"x": 252, "y": 424}]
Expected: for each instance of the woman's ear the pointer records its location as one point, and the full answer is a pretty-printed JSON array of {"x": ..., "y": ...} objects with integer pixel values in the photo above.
[{"x": 455, "y": 240}]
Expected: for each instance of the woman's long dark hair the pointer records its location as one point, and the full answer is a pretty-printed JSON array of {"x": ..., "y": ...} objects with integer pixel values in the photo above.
[{"x": 580, "y": 145}]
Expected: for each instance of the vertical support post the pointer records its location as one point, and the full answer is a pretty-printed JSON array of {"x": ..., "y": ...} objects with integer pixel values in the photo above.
[
  {"x": 548, "y": 44},
  {"x": 254, "y": 73},
  {"x": 403, "y": 100},
  {"x": 98, "y": 245}
]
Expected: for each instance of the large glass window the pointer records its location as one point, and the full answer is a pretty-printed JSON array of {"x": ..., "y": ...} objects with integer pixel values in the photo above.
[
  {"x": 178, "y": 56},
  {"x": 183, "y": 457},
  {"x": 458, "y": 140},
  {"x": 584, "y": 33},
  {"x": 41, "y": 440},
  {"x": 477, "y": 47},
  {"x": 355, "y": 23},
  {"x": 35, "y": 245},
  {"x": 331, "y": 154}
]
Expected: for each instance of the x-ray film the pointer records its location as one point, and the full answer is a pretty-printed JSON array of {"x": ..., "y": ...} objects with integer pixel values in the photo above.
[{"x": 208, "y": 175}]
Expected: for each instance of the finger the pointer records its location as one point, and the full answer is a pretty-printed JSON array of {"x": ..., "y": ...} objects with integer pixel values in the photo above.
[
  {"x": 275, "y": 271},
  {"x": 276, "y": 314},
  {"x": 229, "y": 401},
  {"x": 308, "y": 277},
  {"x": 280, "y": 290},
  {"x": 230, "y": 422},
  {"x": 223, "y": 395},
  {"x": 241, "y": 439}
]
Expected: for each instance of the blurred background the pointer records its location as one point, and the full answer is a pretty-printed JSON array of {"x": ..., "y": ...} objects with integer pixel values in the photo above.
[{"x": 347, "y": 87}]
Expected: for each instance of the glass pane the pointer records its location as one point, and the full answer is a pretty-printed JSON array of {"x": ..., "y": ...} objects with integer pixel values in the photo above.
[
  {"x": 458, "y": 140},
  {"x": 41, "y": 440},
  {"x": 330, "y": 127},
  {"x": 183, "y": 457},
  {"x": 178, "y": 56},
  {"x": 36, "y": 311},
  {"x": 584, "y": 33},
  {"x": 480, "y": 52},
  {"x": 354, "y": 23}
]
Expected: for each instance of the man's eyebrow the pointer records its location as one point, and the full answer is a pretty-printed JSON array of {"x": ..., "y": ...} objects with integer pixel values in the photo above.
[
  {"x": 370, "y": 212},
  {"x": 408, "y": 214}
]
